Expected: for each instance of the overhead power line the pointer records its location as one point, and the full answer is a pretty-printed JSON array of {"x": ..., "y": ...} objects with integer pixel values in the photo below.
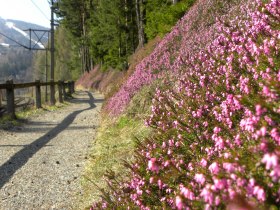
[
  {"x": 39, "y": 9},
  {"x": 37, "y": 42},
  {"x": 14, "y": 41}
]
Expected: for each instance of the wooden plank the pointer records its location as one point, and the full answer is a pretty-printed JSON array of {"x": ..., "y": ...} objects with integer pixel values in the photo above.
[
  {"x": 27, "y": 85},
  {"x": 48, "y": 83},
  {"x": 24, "y": 85},
  {"x": 3, "y": 86}
]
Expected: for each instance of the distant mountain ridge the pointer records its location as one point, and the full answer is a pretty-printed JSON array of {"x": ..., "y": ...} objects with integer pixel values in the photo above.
[
  {"x": 19, "y": 32},
  {"x": 16, "y": 62}
]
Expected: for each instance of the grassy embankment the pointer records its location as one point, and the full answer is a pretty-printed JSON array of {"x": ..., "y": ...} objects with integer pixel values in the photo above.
[
  {"x": 224, "y": 107},
  {"x": 116, "y": 137}
]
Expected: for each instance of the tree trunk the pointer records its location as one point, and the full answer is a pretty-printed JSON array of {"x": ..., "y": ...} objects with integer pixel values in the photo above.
[
  {"x": 140, "y": 13},
  {"x": 120, "y": 37},
  {"x": 175, "y": 1},
  {"x": 126, "y": 28},
  {"x": 82, "y": 60}
]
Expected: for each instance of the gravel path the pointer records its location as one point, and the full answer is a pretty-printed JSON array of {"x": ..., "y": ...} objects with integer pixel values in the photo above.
[{"x": 41, "y": 162}]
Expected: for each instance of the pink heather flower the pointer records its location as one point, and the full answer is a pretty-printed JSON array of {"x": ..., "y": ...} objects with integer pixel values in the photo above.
[
  {"x": 187, "y": 193},
  {"x": 220, "y": 183},
  {"x": 104, "y": 205},
  {"x": 207, "y": 195},
  {"x": 263, "y": 131},
  {"x": 275, "y": 173},
  {"x": 241, "y": 182},
  {"x": 199, "y": 178},
  {"x": 168, "y": 190},
  {"x": 203, "y": 162},
  {"x": 214, "y": 168},
  {"x": 217, "y": 130},
  {"x": 169, "y": 151},
  {"x": 266, "y": 91},
  {"x": 166, "y": 163},
  {"x": 252, "y": 182},
  {"x": 227, "y": 155},
  {"x": 229, "y": 167},
  {"x": 275, "y": 135},
  {"x": 160, "y": 185},
  {"x": 259, "y": 193},
  {"x": 190, "y": 166},
  {"x": 152, "y": 165},
  {"x": 231, "y": 193},
  {"x": 179, "y": 202},
  {"x": 163, "y": 199},
  {"x": 259, "y": 110},
  {"x": 217, "y": 201},
  {"x": 271, "y": 161},
  {"x": 175, "y": 124},
  {"x": 269, "y": 120},
  {"x": 237, "y": 140}
]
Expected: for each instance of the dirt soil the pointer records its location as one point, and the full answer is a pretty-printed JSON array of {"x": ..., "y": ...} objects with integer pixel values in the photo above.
[{"x": 42, "y": 161}]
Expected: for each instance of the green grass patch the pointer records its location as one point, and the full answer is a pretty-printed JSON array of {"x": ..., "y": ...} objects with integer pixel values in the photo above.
[{"x": 114, "y": 143}]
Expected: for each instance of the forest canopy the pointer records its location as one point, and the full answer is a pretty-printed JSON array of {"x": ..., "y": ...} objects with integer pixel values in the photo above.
[{"x": 107, "y": 32}]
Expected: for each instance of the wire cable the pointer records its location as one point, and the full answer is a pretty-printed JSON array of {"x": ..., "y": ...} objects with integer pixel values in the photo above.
[
  {"x": 39, "y": 9},
  {"x": 14, "y": 41}
]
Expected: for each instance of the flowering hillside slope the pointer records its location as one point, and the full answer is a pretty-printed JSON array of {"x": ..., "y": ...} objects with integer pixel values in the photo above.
[
  {"x": 191, "y": 34},
  {"x": 217, "y": 139}
]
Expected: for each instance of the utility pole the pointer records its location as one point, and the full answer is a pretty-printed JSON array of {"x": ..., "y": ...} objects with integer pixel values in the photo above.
[
  {"x": 52, "y": 88},
  {"x": 46, "y": 74}
]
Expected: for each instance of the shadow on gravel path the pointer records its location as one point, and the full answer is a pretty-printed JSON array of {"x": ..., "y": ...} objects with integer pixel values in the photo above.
[{"x": 9, "y": 168}]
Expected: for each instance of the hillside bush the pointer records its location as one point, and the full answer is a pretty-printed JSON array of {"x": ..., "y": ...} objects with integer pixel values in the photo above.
[{"x": 216, "y": 123}]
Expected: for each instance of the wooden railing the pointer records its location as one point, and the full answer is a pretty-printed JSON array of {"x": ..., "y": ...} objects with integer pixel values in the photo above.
[{"x": 9, "y": 86}]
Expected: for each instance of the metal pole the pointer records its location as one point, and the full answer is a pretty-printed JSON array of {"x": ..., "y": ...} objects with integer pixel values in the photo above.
[
  {"x": 30, "y": 39},
  {"x": 52, "y": 87},
  {"x": 46, "y": 71}
]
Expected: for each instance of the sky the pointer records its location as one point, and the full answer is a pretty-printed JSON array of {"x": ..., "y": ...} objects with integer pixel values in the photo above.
[{"x": 26, "y": 10}]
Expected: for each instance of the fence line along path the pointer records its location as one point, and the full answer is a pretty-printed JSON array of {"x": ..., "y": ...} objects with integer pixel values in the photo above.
[
  {"x": 41, "y": 162},
  {"x": 10, "y": 87}
]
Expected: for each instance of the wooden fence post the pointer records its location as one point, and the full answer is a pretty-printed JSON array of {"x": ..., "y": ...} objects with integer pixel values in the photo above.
[
  {"x": 73, "y": 87},
  {"x": 60, "y": 87},
  {"x": 63, "y": 90},
  {"x": 38, "y": 94},
  {"x": 10, "y": 98},
  {"x": 52, "y": 90},
  {"x": 69, "y": 88}
]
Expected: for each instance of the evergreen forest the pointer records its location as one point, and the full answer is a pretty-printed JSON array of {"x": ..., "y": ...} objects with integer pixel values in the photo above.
[{"x": 106, "y": 33}]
